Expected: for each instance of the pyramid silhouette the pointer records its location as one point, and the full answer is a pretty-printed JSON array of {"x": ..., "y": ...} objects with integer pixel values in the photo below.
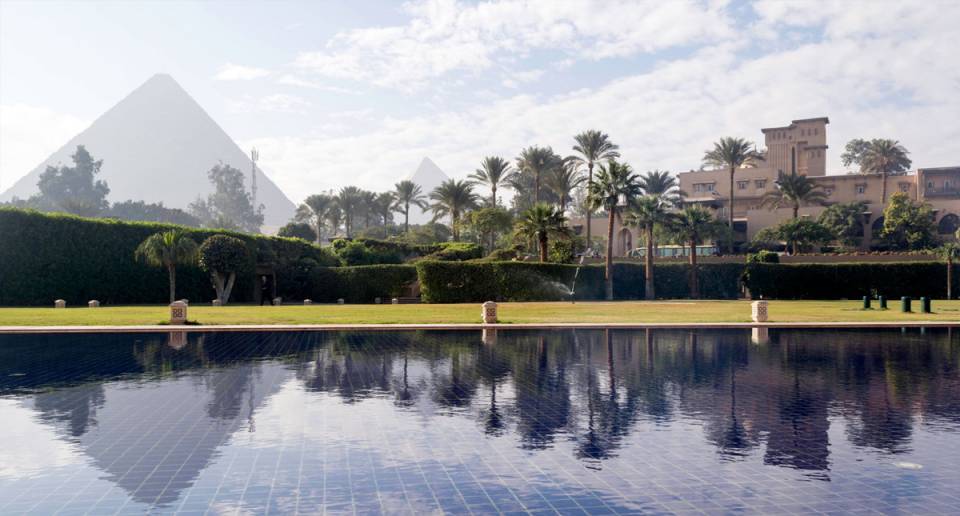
[
  {"x": 157, "y": 145},
  {"x": 429, "y": 176}
]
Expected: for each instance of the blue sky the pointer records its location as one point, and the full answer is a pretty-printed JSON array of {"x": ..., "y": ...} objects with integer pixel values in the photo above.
[{"x": 359, "y": 92}]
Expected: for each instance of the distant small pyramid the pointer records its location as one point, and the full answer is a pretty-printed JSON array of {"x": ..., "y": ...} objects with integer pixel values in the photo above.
[
  {"x": 157, "y": 145},
  {"x": 429, "y": 176}
]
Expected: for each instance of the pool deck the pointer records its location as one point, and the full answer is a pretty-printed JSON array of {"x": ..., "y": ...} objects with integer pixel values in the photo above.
[{"x": 470, "y": 326}]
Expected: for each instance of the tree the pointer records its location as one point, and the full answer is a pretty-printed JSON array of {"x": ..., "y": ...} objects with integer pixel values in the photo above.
[
  {"x": 73, "y": 189},
  {"x": 562, "y": 181},
  {"x": 877, "y": 156},
  {"x": 692, "y": 225},
  {"x": 799, "y": 233},
  {"x": 537, "y": 162},
  {"x": 495, "y": 172},
  {"x": 168, "y": 249},
  {"x": 541, "y": 222},
  {"x": 334, "y": 217},
  {"x": 230, "y": 206},
  {"x": 298, "y": 230},
  {"x": 314, "y": 210},
  {"x": 367, "y": 207},
  {"x": 453, "y": 197},
  {"x": 222, "y": 256},
  {"x": 661, "y": 184},
  {"x": 593, "y": 147},
  {"x": 408, "y": 193},
  {"x": 794, "y": 190},
  {"x": 908, "y": 224},
  {"x": 153, "y": 212},
  {"x": 732, "y": 153},
  {"x": 383, "y": 207},
  {"x": 489, "y": 221},
  {"x": 615, "y": 182},
  {"x": 647, "y": 213},
  {"x": 845, "y": 220},
  {"x": 349, "y": 200},
  {"x": 950, "y": 252}
]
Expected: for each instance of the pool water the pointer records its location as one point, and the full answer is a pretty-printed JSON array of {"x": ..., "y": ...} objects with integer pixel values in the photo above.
[{"x": 617, "y": 421}]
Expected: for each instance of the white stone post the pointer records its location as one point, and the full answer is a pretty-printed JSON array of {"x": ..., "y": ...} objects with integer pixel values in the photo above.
[
  {"x": 59, "y": 304},
  {"x": 760, "y": 335},
  {"x": 277, "y": 301},
  {"x": 93, "y": 303},
  {"x": 489, "y": 312},
  {"x": 377, "y": 301},
  {"x": 758, "y": 311},
  {"x": 216, "y": 302},
  {"x": 178, "y": 312},
  {"x": 395, "y": 301},
  {"x": 307, "y": 301},
  {"x": 340, "y": 301}
]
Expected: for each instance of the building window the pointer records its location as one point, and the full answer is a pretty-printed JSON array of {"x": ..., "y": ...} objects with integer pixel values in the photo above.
[
  {"x": 929, "y": 184},
  {"x": 760, "y": 183},
  {"x": 816, "y": 131},
  {"x": 828, "y": 191},
  {"x": 905, "y": 187},
  {"x": 861, "y": 189},
  {"x": 703, "y": 187},
  {"x": 742, "y": 185}
]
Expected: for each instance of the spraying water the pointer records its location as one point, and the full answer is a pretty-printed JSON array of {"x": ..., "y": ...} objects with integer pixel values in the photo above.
[{"x": 573, "y": 288}]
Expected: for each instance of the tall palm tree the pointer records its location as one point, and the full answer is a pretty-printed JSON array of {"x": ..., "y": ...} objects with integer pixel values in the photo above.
[
  {"x": 884, "y": 157},
  {"x": 168, "y": 249},
  {"x": 541, "y": 222},
  {"x": 692, "y": 225},
  {"x": 794, "y": 190},
  {"x": 407, "y": 193},
  {"x": 593, "y": 147},
  {"x": 349, "y": 200},
  {"x": 648, "y": 212},
  {"x": 615, "y": 183},
  {"x": 368, "y": 206},
  {"x": 452, "y": 198},
  {"x": 314, "y": 210},
  {"x": 383, "y": 207},
  {"x": 563, "y": 180},
  {"x": 950, "y": 252},
  {"x": 538, "y": 161},
  {"x": 495, "y": 172},
  {"x": 334, "y": 217},
  {"x": 732, "y": 153},
  {"x": 661, "y": 184}
]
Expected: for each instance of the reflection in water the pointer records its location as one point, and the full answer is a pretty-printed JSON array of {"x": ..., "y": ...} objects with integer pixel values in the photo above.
[{"x": 163, "y": 417}]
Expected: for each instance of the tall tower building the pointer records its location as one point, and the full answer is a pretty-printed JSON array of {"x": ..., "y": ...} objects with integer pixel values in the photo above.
[{"x": 800, "y": 146}]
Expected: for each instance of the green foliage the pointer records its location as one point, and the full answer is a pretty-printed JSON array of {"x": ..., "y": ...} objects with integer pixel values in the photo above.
[
  {"x": 540, "y": 223},
  {"x": 151, "y": 212},
  {"x": 72, "y": 189},
  {"x": 908, "y": 224},
  {"x": 470, "y": 282},
  {"x": 453, "y": 198},
  {"x": 845, "y": 221},
  {"x": 456, "y": 251},
  {"x": 563, "y": 251},
  {"x": 298, "y": 230},
  {"x": 54, "y": 256},
  {"x": 223, "y": 254},
  {"x": 230, "y": 206},
  {"x": 488, "y": 222},
  {"x": 357, "y": 252},
  {"x": 876, "y": 156},
  {"x": 763, "y": 256},
  {"x": 794, "y": 190},
  {"x": 800, "y": 233},
  {"x": 364, "y": 251},
  {"x": 845, "y": 280},
  {"x": 358, "y": 284}
]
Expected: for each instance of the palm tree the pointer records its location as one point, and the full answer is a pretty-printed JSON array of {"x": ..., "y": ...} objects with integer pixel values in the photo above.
[
  {"x": 563, "y": 180},
  {"x": 647, "y": 213},
  {"x": 334, "y": 217},
  {"x": 540, "y": 223},
  {"x": 794, "y": 190},
  {"x": 538, "y": 161},
  {"x": 407, "y": 193},
  {"x": 950, "y": 252},
  {"x": 615, "y": 183},
  {"x": 168, "y": 249},
  {"x": 692, "y": 225},
  {"x": 452, "y": 198},
  {"x": 661, "y": 184},
  {"x": 383, "y": 207},
  {"x": 593, "y": 147},
  {"x": 314, "y": 210},
  {"x": 884, "y": 157},
  {"x": 495, "y": 172},
  {"x": 367, "y": 206},
  {"x": 349, "y": 200},
  {"x": 732, "y": 153}
]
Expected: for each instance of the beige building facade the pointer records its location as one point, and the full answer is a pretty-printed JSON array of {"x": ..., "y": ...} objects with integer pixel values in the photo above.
[{"x": 801, "y": 146}]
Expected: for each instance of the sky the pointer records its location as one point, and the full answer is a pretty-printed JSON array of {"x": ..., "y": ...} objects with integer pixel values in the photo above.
[{"x": 358, "y": 92}]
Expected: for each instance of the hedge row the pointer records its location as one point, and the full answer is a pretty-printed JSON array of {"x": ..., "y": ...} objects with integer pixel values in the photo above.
[
  {"x": 54, "y": 256},
  {"x": 469, "y": 282},
  {"x": 848, "y": 280},
  {"x": 360, "y": 284}
]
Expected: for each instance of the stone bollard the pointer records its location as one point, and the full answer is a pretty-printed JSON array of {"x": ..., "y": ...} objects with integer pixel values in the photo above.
[
  {"x": 758, "y": 311},
  {"x": 489, "y": 312},
  {"x": 178, "y": 312},
  {"x": 59, "y": 304},
  {"x": 93, "y": 303},
  {"x": 340, "y": 301},
  {"x": 307, "y": 301},
  {"x": 395, "y": 301},
  {"x": 216, "y": 302},
  {"x": 377, "y": 301},
  {"x": 277, "y": 301}
]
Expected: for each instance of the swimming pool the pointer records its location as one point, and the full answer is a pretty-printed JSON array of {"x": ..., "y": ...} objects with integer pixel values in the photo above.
[{"x": 518, "y": 421}]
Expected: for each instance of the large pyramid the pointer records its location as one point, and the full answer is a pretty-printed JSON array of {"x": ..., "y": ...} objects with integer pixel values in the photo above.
[
  {"x": 429, "y": 176},
  {"x": 157, "y": 145}
]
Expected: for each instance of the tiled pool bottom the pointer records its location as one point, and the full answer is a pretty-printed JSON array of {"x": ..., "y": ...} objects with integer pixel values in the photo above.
[{"x": 547, "y": 422}]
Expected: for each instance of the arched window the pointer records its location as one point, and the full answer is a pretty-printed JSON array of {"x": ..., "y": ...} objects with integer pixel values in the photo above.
[{"x": 949, "y": 224}]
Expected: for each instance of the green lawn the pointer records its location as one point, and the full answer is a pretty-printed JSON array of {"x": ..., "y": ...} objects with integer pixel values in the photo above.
[{"x": 583, "y": 312}]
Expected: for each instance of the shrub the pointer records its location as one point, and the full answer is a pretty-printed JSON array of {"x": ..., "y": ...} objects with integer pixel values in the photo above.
[
  {"x": 223, "y": 256},
  {"x": 846, "y": 280},
  {"x": 456, "y": 251},
  {"x": 358, "y": 284},
  {"x": 563, "y": 251},
  {"x": 763, "y": 256},
  {"x": 365, "y": 251}
]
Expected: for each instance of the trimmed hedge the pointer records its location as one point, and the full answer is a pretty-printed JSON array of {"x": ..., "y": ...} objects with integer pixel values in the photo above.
[
  {"x": 361, "y": 284},
  {"x": 471, "y": 282},
  {"x": 56, "y": 256},
  {"x": 847, "y": 280},
  {"x": 368, "y": 251}
]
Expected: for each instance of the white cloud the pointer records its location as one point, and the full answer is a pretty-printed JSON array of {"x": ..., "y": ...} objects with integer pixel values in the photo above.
[
  {"x": 275, "y": 103},
  {"x": 446, "y": 36},
  {"x": 28, "y": 134},
  {"x": 233, "y": 72},
  {"x": 293, "y": 80}
]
